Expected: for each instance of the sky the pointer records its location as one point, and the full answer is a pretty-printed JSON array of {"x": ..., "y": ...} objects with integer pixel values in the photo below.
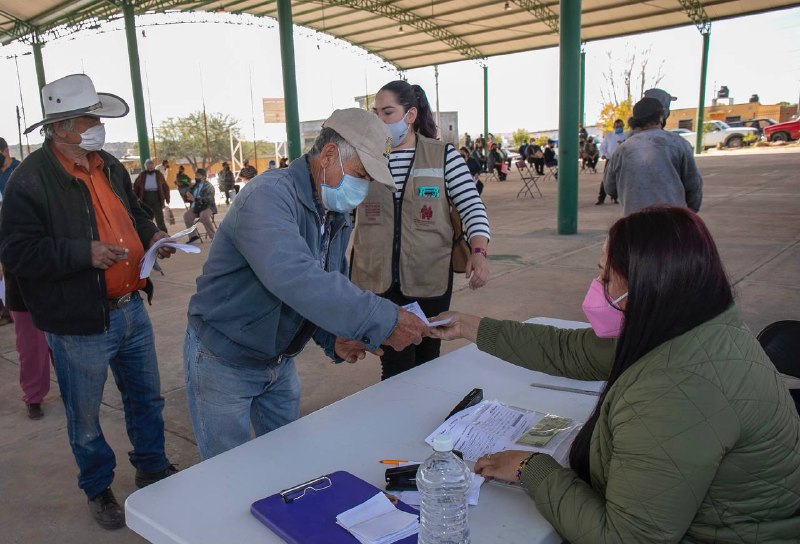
[{"x": 226, "y": 64}]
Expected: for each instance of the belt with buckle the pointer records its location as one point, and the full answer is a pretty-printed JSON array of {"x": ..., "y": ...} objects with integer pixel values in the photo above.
[{"x": 117, "y": 303}]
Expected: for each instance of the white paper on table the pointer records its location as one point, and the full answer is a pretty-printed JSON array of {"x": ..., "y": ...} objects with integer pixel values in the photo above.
[
  {"x": 412, "y": 498},
  {"x": 149, "y": 259},
  {"x": 378, "y": 521},
  {"x": 415, "y": 309},
  {"x": 492, "y": 426}
]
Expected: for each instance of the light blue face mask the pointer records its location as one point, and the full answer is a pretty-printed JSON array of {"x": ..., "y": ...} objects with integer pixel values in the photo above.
[
  {"x": 345, "y": 197},
  {"x": 618, "y": 130},
  {"x": 398, "y": 130}
]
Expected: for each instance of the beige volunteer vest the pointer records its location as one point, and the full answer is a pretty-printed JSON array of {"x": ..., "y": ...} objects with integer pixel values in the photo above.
[{"x": 426, "y": 235}]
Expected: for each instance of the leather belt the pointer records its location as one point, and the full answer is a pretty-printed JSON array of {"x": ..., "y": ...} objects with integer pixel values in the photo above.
[{"x": 121, "y": 302}]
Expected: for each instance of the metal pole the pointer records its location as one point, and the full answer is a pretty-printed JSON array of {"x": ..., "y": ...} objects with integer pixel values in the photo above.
[
  {"x": 582, "y": 114},
  {"x": 438, "y": 117},
  {"x": 37, "y": 60},
  {"x": 205, "y": 119},
  {"x": 701, "y": 103},
  {"x": 253, "y": 117},
  {"x": 19, "y": 131},
  {"x": 289, "y": 78},
  {"x": 485, "y": 108},
  {"x": 136, "y": 81},
  {"x": 568, "y": 104},
  {"x": 150, "y": 112}
]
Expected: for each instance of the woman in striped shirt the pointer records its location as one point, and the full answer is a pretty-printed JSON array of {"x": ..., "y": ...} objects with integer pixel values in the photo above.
[{"x": 419, "y": 209}]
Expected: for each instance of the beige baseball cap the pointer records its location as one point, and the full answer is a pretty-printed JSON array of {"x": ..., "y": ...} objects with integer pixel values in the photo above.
[{"x": 370, "y": 138}]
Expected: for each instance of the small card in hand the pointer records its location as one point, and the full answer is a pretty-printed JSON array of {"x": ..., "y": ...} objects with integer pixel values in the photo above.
[{"x": 545, "y": 429}]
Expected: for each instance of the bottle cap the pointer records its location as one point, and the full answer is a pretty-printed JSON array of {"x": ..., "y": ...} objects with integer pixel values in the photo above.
[{"x": 442, "y": 442}]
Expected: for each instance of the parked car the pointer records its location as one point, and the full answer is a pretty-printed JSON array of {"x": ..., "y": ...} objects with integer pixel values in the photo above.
[
  {"x": 783, "y": 132},
  {"x": 759, "y": 123},
  {"x": 718, "y": 132}
]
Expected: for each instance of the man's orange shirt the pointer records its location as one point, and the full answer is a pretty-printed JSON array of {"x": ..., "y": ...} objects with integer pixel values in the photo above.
[{"x": 114, "y": 225}]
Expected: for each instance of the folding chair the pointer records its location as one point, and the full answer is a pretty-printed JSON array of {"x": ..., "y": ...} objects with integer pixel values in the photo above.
[
  {"x": 529, "y": 180},
  {"x": 204, "y": 234},
  {"x": 552, "y": 172}
]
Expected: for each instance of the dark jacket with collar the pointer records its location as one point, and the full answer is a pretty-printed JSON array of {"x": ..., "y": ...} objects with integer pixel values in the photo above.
[
  {"x": 263, "y": 292},
  {"x": 46, "y": 228},
  {"x": 161, "y": 186}
]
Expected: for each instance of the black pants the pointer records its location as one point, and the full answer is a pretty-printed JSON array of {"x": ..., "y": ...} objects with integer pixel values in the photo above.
[
  {"x": 394, "y": 362},
  {"x": 153, "y": 201},
  {"x": 538, "y": 164}
]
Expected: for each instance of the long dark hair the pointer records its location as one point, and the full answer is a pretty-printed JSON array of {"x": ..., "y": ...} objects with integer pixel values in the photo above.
[
  {"x": 412, "y": 96},
  {"x": 676, "y": 282}
]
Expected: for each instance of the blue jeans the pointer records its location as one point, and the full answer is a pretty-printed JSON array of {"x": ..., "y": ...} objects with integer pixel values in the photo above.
[
  {"x": 225, "y": 398},
  {"x": 81, "y": 363}
]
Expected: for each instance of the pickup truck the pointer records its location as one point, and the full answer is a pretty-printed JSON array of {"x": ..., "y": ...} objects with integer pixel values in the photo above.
[
  {"x": 718, "y": 132},
  {"x": 783, "y": 132}
]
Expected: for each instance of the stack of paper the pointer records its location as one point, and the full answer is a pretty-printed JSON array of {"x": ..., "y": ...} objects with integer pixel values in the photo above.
[
  {"x": 377, "y": 521},
  {"x": 415, "y": 309},
  {"x": 149, "y": 259}
]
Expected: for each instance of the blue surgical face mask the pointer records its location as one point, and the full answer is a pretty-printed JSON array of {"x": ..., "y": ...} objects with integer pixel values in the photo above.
[
  {"x": 398, "y": 130},
  {"x": 618, "y": 130},
  {"x": 346, "y": 196}
]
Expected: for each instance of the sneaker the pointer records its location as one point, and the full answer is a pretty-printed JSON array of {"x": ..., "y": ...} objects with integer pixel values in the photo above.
[
  {"x": 106, "y": 511},
  {"x": 194, "y": 238},
  {"x": 143, "y": 479},
  {"x": 35, "y": 411}
]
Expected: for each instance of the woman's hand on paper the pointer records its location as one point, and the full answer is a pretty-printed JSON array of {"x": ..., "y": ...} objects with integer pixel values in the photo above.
[
  {"x": 460, "y": 326},
  {"x": 502, "y": 465}
]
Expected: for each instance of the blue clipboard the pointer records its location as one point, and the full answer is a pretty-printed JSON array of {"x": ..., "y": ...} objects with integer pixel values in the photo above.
[{"x": 311, "y": 519}]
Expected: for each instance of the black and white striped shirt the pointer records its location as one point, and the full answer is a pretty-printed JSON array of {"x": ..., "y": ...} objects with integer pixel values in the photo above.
[{"x": 459, "y": 185}]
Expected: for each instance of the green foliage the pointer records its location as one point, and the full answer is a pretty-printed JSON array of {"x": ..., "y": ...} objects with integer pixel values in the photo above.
[
  {"x": 185, "y": 137},
  {"x": 750, "y": 138},
  {"x": 520, "y": 135}
]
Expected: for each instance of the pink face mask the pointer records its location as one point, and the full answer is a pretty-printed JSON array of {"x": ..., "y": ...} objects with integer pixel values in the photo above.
[{"x": 605, "y": 317}]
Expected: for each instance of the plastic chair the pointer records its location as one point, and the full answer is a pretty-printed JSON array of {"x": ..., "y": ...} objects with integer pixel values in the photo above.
[
  {"x": 781, "y": 343},
  {"x": 529, "y": 180}
]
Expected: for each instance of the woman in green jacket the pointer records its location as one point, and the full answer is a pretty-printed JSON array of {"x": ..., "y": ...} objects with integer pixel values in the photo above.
[{"x": 694, "y": 438}]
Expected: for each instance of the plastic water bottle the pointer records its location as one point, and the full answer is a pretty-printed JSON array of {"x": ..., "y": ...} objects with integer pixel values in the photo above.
[{"x": 443, "y": 481}]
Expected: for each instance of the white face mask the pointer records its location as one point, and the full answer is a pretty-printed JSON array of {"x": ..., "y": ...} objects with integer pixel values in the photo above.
[{"x": 93, "y": 138}]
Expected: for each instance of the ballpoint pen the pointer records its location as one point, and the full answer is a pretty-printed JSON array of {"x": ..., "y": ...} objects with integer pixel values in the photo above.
[{"x": 393, "y": 461}]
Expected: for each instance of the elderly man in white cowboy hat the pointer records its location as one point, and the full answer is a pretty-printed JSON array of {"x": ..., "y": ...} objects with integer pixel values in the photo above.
[{"x": 72, "y": 234}]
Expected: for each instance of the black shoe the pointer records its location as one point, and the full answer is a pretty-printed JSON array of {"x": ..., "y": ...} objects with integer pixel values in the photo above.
[
  {"x": 193, "y": 239},
  {"x": 615, "y": 201},
  {"x": 143, "y": 479},
  {"x": 106, "y": 511},
  {"x": 599, "y": 202},
  {"x": 35, "y": 411}
]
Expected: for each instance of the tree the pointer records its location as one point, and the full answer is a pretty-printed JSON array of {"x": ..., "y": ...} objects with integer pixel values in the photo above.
[
  {"x": 185, "y": 137},
  {"x": 620, "y": 86},
  {"x": 520, "y": 135},
  {"x": 612, "y": 112}
]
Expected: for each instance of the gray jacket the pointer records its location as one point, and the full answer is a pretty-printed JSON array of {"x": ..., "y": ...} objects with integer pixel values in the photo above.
[
  {"x": 263, "y": 287},
  {"x": 653, "y": 167}
]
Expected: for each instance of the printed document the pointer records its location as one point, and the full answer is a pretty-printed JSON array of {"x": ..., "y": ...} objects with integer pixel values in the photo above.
[{"x": 149, "y": 259}]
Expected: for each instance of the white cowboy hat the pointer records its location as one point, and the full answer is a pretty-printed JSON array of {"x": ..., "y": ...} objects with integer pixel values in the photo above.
[{"x": 74, "y": 96}]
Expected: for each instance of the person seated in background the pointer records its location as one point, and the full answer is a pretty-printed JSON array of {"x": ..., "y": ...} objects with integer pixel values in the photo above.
[
  {"x": 474, "y": 168},
  {"x": 247, "y": 172},
  {"x": 695, "y": 437},
  {"x": 550, "y": 158},
  {"x": 497, "y": 162},
  {"x": 536, "y": 158},
  {"x": 284, "y": 162},
  {"x": 183, "y": 182},
  {"x": 203, "y": 207},
  {"x": 478, "y": 154},
  {"x": 591, "y": 154}
]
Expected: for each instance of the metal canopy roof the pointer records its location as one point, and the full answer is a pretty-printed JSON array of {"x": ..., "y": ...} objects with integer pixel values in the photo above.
[{"x": 405, "y": 33}]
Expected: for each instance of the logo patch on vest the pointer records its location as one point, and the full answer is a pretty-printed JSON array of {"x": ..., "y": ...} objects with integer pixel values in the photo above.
[
  {"x": 428, "y": 192},
  {"x": 426, "y": 215}
]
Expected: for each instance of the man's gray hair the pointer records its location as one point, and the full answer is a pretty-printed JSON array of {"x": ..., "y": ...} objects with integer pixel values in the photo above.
[
  {"x": 330, "y": 136},
  {"x": 49, "y": 130}
]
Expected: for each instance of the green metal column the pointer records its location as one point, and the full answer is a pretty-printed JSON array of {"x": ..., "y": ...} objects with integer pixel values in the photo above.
[
  {"x": 37, "y": 60},
  {"x": 568, "y": 105},
  {"x": 485, "y": 109},
  {"x": 136, "y": 81},
  {"x": 701, "y": 104},
  {"x": 289, "y": 78},
  {"x": 582, "y": 111}
]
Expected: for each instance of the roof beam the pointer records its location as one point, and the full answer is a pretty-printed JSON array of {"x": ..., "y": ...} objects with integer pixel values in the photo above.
[
  {"x": 411, "y": 19},
  {"x": 694, "y": 9},
  {"x": 542, "y": 12}
]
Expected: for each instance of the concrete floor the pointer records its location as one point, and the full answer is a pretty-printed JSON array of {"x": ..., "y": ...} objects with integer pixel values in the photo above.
[{"x": 751, "y": 204}]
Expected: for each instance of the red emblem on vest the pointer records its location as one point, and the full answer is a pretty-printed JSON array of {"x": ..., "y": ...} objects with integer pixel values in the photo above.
[{"x": 426, "y": 213}]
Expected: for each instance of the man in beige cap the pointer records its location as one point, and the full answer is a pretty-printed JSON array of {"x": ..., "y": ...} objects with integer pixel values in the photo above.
[{"x": 276, "y": 278}]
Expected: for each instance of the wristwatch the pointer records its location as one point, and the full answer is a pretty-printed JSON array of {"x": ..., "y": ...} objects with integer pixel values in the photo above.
[{"x": 479, "y": 250}]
